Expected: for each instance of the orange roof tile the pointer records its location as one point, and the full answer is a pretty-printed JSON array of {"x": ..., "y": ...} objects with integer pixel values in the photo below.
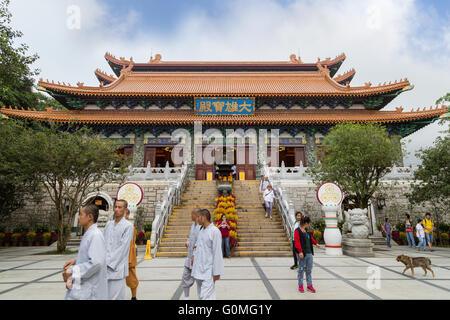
[
  {"x": 103, "y": 75},
  {"x": 182, "y": 117},
  {"x": 340, "y": 78},
  {"x": 226, "y": 83}
]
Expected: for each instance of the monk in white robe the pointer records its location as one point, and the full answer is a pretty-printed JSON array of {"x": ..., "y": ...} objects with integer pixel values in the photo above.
[
  {"x": 85, "y": 276},
  {"x": 207, "y": 258},
  {"x": 187, "y": 281},
  {"x": 118, "y": 234}
]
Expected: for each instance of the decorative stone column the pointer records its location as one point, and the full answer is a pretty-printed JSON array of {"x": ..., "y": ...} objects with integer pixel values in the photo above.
[
  {"x": 310, "y": 149},
  {"x": 332, "y": 235},
  {"x": 138, "y": 151}
]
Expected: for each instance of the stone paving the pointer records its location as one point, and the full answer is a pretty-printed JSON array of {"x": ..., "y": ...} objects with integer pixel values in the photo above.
[{"x": 25, "y": 275}]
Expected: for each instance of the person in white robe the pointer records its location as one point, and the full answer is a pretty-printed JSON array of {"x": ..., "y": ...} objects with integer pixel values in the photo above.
[
  {"x": 207, "y": 258},
  {"x": 85, "y": 276},
  {"x": 118, "y": 234},
  {"x": 187, "y": 281}
]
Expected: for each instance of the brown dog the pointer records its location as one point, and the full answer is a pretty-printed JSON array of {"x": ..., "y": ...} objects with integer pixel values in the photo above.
[{"x": 411, "y": 263}]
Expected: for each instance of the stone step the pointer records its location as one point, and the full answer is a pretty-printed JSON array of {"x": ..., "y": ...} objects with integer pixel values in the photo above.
[
  {"x": 265, "y": 248},
  {"x": 262, "y": 254}
]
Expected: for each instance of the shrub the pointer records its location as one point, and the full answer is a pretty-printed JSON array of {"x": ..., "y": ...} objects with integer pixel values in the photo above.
[
  {"x": 31, "y": 236},
  {"x": 148, "y": 234},
  {"x": 148, "y": 226},
  {"x": 2, "y": 237},
  {"x": 444, "y": 238},
  {"x": 21, "y": 229},
  {"x": 319, "y": 225},
  {"x": 42, "y": 229},
  {"x": 317, "y": 235},
  {"x": 399, "y": 226}
]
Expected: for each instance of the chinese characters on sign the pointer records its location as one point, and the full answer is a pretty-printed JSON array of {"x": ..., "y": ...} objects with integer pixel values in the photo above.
[{"x": 224, "y": 106}]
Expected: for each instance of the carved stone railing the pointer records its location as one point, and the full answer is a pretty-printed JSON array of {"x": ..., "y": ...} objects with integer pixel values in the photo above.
[
  {"x": 299, "y": 172},
  {"x": 154, "y": 173},
  {"x": 171, "y": 197}
]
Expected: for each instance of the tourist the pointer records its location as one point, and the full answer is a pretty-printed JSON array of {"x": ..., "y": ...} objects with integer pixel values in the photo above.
[
  {"x": 132, "y": 280},
  {"x": 118, "y": 234},
  {"x": 409, "y": 229},
  {"x": 269, "y": 197},
  {"x": 85, "y": 276},
  {"x": 224, "y": 227},
  {"x": 207, "y": 259},
  {"x": 428, "y": 225},
  {"x": 420, "y": 233},
  {"x": 298, "y": 218},
  {"x": 387, "y": 228},
  {"x": 304, "y": 241},
  {"x": 187, "y": 281},
  {"x": 233, "y": 168},
  {"x": 263, "y": 185}
]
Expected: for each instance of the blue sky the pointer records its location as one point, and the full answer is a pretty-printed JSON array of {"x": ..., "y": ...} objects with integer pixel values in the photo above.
[{"x": 384, "y": 40}]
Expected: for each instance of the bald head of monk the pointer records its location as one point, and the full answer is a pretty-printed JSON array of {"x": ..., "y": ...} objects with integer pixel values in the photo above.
[{"x": 194, "y": 214}]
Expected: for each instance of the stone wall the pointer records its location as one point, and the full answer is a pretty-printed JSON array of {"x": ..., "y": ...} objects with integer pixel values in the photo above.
[{"x": 43, "y": 213}]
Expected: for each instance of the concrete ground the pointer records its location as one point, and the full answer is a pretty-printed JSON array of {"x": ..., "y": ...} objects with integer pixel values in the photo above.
[{"x": 24, "y": 275}]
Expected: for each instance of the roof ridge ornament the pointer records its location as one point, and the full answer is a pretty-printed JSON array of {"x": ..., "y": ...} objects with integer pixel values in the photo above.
[
  {"x": 295, "y": 59},
  {"x": 323, "y": 69},
  {"x": 399, "y": 109},
  {"x": 156, "y": 59}
]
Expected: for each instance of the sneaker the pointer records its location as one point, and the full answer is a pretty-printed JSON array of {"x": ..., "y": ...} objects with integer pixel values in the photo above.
[
  {"x": 311, "y": 289},
  {"x": 133, "y": 298},
  {"x": 300, "y": 288},
  {"x": 266, "y": 216},
  {"x": 294, "y": 267}
]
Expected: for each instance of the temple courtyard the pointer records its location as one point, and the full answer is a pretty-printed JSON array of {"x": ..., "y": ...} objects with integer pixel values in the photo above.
[{"x": 26, "y": 273}]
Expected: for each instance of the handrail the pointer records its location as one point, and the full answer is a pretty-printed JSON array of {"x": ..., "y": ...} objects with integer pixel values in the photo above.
[
  {"x": 171, "y": 197},
  {"x": 285, "y": 206}
]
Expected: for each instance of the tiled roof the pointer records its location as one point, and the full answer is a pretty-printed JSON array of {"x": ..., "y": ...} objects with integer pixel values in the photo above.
[
  {"x": 343, "y": 78},
  {"x": 183, "y": 117},
  {"x": 313, "y": 83},
  {"x": 103, "y": 76}
]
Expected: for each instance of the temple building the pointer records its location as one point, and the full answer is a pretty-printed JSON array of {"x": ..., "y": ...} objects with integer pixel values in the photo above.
[{"x": 141, "y": 104}]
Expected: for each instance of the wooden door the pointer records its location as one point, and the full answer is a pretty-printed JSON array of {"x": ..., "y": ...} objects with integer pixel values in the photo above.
[
  {"x": 300, "y": 156},
  {"x": 249, "y": 165},
  {"x": 203, "y": 168},
  {"x": 150, "y": 155}
]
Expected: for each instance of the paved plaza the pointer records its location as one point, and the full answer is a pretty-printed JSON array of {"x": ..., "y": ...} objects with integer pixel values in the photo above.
[{"x": 25, "y": 275}]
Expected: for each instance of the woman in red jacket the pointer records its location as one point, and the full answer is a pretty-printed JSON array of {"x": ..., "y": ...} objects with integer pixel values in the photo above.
[{"x": 304, "y": 241}]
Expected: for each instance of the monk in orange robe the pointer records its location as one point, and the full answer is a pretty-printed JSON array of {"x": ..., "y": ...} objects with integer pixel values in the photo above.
[{"x": 132, "y": 280}]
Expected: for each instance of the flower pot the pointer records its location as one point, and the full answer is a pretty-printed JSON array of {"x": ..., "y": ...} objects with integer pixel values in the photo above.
[
  {"x": 37, "y": 243},
  {"x": 45, "y": 243},
  {"x": 30, "y": 243},
  {"x": 20, "y": 244}
]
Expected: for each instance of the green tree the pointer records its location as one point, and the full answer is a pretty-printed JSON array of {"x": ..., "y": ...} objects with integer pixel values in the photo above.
[
  {"x": 19, "y": 167},
  {"x": 16, "y": 72},
  {"x": 72, "y": 163},
  {"x": 356, "y": 157},
  {"x": 432, "y": 184}
]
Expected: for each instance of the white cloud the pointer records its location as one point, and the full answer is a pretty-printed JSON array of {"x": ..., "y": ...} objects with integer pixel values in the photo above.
[{"x": 384, "y": 40}]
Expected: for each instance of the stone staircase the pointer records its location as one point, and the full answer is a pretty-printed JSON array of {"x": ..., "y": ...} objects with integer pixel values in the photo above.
[
  {"x": 258, "y": 236},
  {"x": 198, "y": 193}
]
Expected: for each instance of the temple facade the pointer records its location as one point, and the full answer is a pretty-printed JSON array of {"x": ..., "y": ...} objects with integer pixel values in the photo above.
[{"x": 142, "y": 105}]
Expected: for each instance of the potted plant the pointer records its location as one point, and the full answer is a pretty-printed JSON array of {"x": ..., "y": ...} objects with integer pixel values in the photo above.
[
  {"x": 38, "y": 239},
  {"x": 141, "y": 238},
  {"x": 22, "y": 238},
  {"x": 403, "y": 238},
  {"x": 2, "y": 238},
  {"x": 46, "y": 236},
  {"x": 15, "y": 239},
  {"x": 30, "y": 236},
  {"x": 7, "y": 239},
  {"x": 148, "y": 235},
  {"x": 54, "y": 237},
  {"x": 444, "y": 239}
]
